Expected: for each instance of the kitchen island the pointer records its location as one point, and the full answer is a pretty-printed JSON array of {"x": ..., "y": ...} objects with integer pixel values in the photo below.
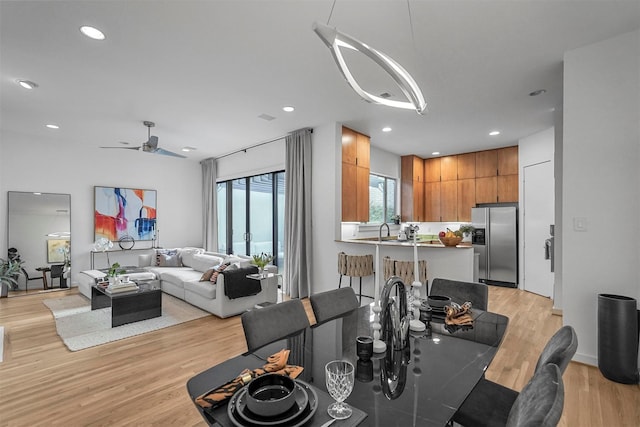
[{"x": 455, "y": 263}]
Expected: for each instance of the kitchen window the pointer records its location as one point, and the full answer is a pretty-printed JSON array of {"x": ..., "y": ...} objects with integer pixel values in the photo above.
[{"x": 382, "y": 199}]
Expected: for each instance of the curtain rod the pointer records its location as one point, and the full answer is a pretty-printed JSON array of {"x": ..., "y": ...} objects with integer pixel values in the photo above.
[{"x": 257, "y": 145}]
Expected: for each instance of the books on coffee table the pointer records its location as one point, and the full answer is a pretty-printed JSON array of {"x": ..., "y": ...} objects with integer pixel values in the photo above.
[{"x": 122, "y": 287}]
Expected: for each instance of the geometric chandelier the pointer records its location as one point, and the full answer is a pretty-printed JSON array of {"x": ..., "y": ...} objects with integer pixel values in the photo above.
[{"x": 336, "y": 40}]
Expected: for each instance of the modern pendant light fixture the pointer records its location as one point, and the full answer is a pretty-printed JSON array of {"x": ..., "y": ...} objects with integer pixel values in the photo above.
[{"x": 336, "y": 40}]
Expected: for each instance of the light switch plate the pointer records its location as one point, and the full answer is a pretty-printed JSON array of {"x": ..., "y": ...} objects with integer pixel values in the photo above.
[{"x": 579, "y": 223}]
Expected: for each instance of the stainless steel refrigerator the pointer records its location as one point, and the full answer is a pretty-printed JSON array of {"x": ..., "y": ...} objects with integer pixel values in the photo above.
[{"x": 495, "y": 239}]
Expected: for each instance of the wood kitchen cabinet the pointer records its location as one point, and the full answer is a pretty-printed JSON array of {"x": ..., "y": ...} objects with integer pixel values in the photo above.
[
  {"x": 508, "y": 161},
  {"x": 497, "y": 175},
  {"x": 466, "y": 198},
  {"x": 432, "y": 201},
  {"x": 355, "y": 176},
  {"x": 507, "y": 188},
  {"x": 412, "y": 190},
  {"x": 487, "y": 189},
  {"x": 455, "y": 184},
  {"x": 449, "y": 201},
  {"x": 486, "y": 163},
  {"x": 466, "y": 166},
  {"x": 432, "y": 170},
  {"x": 448, "y": 168}
]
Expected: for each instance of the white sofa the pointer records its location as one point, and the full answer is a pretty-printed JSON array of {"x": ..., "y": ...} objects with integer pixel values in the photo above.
[{"x": 181, "y": 277}]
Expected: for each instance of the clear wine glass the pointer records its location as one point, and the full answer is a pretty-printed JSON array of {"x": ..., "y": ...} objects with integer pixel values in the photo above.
[{"x": 339, "y": 375}]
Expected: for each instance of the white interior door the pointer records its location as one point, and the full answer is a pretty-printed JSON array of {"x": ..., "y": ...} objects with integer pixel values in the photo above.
[{"x": 538, "y": 189}]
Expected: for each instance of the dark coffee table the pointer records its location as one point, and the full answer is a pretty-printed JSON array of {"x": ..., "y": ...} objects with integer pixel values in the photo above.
[{"x": 132, "y": 306}]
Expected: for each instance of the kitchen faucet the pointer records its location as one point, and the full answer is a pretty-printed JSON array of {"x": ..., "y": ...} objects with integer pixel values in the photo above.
[{"x": 380, "y": 231}]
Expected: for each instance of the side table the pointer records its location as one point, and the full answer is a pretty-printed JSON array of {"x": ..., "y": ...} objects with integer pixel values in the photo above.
[{"x": 268, "y": 280}]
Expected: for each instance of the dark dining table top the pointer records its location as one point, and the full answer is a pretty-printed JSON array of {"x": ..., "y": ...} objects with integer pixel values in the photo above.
[{"x": 421, "y": 385}]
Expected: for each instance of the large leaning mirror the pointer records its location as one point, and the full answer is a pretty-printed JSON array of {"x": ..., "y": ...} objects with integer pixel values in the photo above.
[{"x": 39, "y": 234}]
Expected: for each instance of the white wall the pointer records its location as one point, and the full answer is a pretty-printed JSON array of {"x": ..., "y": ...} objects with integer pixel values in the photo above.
[
  {"x": 327, "y": 205},
  {"x": 29, "y": 164},
  {"x": 255, "y": 161},
  {"x": 534, "y": 149},
  {"x": 385, "y": 163},
  {"x": 601, "y": 181}
]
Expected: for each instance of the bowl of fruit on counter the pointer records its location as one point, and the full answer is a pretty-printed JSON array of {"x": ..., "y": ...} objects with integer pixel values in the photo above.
[{"x": 450, "y": 238}]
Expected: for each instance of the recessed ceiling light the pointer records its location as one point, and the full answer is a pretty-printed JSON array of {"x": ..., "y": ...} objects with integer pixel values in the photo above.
[
  {"x": 288, "y": 108},
  {"x": 537, "y": 92},
  {"x": 494, "y": 133},
  {"x": 435, "y": 153},
  {"x": 386, "y": 129},
  {"x": 27, "y": 84},
  {"x": 92, "y": 32},
  {"x": 187, "y": 149},
  {"x": 52, "y": 126}
]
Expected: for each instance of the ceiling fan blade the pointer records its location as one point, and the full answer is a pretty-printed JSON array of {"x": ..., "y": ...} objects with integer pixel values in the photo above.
[
  {"x": 125, "y": 148},
  {"x": 168, "y": 153}
]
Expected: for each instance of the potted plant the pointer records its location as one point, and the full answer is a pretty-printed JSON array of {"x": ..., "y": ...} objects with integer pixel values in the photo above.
[
  {"x": 9, "y": 272},
  {"x": 396, "y": 219},
  {"x": 467, "y": 229},
  {"x": 114, "y": 271},
  {"x": 261, "y": 261}
]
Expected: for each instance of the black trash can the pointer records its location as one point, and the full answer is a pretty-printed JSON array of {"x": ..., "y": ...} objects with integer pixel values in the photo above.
[{"x": 618, "y": 338}]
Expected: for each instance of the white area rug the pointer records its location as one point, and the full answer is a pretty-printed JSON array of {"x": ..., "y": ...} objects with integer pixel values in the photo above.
[{"x": 81, "y": 328}]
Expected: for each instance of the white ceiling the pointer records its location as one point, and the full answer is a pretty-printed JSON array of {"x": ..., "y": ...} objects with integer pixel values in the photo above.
[{"x": 205, "y": 70}]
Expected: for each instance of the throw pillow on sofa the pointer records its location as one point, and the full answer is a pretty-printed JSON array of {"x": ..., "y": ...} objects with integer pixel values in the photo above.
[
  {"x": 204, "y": 262},
  {"x": 169, "y": 252},
  {"x": 212, "y": 274},
  {"x": 169, "y": 260},
  {"x": 187, "y": 254}
]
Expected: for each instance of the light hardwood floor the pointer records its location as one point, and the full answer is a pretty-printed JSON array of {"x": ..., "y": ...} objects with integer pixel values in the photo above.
[{"x": 141, "y": 380}]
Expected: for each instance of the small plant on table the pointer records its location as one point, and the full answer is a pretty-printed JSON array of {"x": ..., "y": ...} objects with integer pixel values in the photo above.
[{"x": 261, "y": 261}]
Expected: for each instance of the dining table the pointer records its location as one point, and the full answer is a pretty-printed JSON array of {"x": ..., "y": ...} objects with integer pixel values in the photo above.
[{"x": 422, "y": 384}]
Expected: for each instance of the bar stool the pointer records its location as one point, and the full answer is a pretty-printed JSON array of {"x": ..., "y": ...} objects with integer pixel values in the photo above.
[
  {"x": 405, "y": 270},
  {"x": 355, "y": 266}
]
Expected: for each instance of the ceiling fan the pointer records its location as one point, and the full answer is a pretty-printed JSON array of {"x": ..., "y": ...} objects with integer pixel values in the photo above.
[{"x": 151, "y": 146}]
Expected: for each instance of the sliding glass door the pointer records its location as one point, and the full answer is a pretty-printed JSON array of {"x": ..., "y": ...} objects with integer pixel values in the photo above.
[
  {"x": 260, "y": 206},
  {"x": 239, "y": 208},
  {"x": 251, "y": 215}
]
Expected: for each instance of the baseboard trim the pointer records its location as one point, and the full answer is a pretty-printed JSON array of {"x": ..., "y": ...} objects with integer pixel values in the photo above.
[
  {"x": 556, "y": 311},
  {"x": 585, "y": 359}
]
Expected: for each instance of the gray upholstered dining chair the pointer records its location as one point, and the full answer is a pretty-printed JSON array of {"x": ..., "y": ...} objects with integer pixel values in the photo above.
[
  {"x": 334, "y": 303},
  {"x": 541, "y": 401},
  {"x": 266, "y": 325},
  {"x": 490, "y": 403},
  {"x": 57, "y": 271},
  {"x": 461, "y": 292},
  {"x": 29, "y": 278}
]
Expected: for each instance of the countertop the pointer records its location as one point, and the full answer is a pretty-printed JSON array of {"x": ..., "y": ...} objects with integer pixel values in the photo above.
[{"x": 393, "y": 241}]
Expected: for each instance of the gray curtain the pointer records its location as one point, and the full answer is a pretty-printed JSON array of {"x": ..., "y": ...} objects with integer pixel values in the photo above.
[
  {"x": 209, "y": 205},
  {"x": 297, "y": 214}
]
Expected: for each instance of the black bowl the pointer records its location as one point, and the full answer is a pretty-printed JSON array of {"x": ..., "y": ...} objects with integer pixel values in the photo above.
[
  {"x": 438, "y": 301},
  {"x": 271, "y": 394}
]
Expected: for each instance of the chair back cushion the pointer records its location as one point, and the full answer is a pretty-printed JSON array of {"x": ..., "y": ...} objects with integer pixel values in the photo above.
[
  {"x": 359, "y": 265},
  {"x": 331, "y": 304},
  {"x": 560, "y": 349},
  {"x": 56, "y": 270},
  {"x": 263, "y": 326},
  {"x": 461, "y": 292},
  {"x": 541, "y": 401}
]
